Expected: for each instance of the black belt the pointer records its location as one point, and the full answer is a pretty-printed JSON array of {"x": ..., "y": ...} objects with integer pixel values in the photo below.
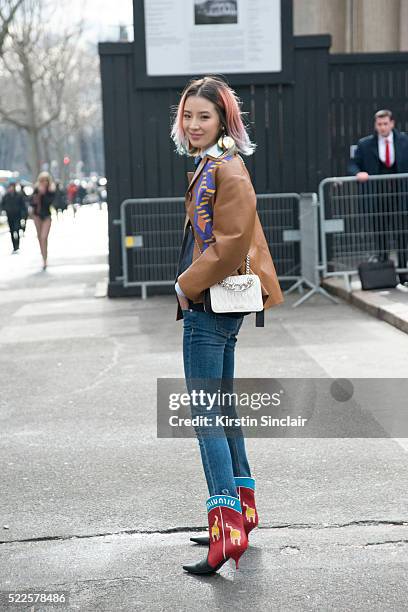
[{"x": 199, "y": 306}]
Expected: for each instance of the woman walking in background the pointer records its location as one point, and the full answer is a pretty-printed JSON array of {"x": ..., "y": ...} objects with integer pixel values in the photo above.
[
  {"x": 222, "y": 227},
  {"x": 41, "y": 201}
]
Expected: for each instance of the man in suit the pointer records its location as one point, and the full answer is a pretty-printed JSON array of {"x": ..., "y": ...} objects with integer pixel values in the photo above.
[{"x": 385, "y": 152}]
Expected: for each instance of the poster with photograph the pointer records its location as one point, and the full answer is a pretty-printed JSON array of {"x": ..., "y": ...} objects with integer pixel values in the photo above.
[{"x": 226, "y": 36}]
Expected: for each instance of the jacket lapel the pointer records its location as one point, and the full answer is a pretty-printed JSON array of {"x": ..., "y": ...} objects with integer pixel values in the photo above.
[
  {"x": 397, "y": 149},
  {"x": 193, "y": 176},
  {"x": 374, "y": 146},
  {"x": 190, "y": 201}
]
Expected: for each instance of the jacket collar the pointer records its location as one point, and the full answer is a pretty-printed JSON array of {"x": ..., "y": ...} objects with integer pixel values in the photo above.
[
  {"x": 214, "y": 151},
  {"x": 395, "y": 133},
  {"x": 390, "y": 135},
  {"x": 397, "y": 149}
]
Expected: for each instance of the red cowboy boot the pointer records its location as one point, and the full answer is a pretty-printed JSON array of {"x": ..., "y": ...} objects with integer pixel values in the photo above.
[
  {"x": 228, "y": 539},
  {"x": 246, "y": 494}
]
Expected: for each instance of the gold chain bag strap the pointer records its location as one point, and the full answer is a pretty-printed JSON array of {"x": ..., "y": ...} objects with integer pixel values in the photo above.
[{"x": 235, "y": 294}]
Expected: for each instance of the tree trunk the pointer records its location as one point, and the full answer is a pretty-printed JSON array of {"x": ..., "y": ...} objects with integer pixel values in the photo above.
[
  {"x": 33, "y": 132},
  {"x": 34, "y": 152}
]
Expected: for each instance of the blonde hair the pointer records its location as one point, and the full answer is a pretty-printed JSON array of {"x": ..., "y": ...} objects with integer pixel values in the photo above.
[{"x": 45, "y": 175}]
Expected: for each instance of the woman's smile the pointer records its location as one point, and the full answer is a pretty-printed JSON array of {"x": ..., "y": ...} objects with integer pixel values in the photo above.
[
  {"x": 201, "y": 122},
  {"x": 195, "y": 136}
]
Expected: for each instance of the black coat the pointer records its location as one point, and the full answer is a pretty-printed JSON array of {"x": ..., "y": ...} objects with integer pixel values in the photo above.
[
  {"x": 366, "y": 157},
  {"x": 60, "y": 201},
  {"x": 13, "y": 204},
  {"x": 41, "y": 203}
]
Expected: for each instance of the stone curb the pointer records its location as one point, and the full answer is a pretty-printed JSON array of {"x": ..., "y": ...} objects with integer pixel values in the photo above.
[{"x": 374, "y": 303}]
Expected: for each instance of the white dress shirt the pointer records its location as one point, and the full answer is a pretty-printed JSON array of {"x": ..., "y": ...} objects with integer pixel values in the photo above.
[{"x": 381, "y": 147}]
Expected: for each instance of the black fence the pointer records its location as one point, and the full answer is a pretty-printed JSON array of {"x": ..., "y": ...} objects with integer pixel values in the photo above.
[
  {"x": 152, "y": 232},
  {"x": 371, "y": 220}
]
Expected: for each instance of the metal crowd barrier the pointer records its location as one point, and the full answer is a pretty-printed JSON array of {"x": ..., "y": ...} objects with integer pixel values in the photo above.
[
  {"x": 151, "y": 234},
  {"x": 361, "y": 220}
]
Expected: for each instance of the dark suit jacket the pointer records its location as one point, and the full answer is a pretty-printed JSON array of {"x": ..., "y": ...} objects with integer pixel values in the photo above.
[{"x": 366, "y": 157}]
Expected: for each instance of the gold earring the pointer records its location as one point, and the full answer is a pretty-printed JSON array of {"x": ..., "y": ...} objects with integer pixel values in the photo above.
[{"x": 225, "y": 142}]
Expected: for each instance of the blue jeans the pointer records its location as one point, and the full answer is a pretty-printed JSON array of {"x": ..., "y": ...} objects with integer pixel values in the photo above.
[{"x": 208, "y": 350}]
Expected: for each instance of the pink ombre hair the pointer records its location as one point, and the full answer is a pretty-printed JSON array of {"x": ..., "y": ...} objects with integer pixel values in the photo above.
[{"x": 227, "y": 104}]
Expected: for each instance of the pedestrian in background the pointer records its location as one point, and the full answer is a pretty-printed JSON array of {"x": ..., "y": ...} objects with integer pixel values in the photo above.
[
  {"x": 72, "y": 195},
  {"x": 14, "y": 206},
  {"x": 385, "y": 152},
  {"x": 222, "y": 228},
  {"x": 26, "y": 200},
  {"x": 41, "y": 202},
  {"x": 60, "y": 202},
  {"x": 81, "y": 193}
]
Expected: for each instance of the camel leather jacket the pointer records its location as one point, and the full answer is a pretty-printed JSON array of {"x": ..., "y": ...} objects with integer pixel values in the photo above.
[{"x": 237, "y": 231}]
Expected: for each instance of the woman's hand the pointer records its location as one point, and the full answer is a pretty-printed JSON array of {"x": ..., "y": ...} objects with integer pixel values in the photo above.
[{"x": 183, "y": 301}]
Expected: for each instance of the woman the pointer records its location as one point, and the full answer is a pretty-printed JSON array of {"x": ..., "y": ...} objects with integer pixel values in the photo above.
[
  {"x": 221, "y": 228},
  {"x": 41, "y": 201}
]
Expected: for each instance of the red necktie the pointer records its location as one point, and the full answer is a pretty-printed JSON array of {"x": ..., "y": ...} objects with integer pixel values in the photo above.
[{"x": 387, "y": 154}]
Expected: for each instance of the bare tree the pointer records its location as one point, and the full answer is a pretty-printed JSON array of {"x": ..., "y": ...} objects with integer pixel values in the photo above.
[
  {"x": 8, "y": 9},
  {"x": 81, "y": 112},
  {"x": 36, "y": 64}
]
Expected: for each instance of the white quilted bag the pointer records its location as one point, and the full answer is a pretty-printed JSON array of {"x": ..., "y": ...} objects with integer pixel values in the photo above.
[{"x": 240, "y": 293}]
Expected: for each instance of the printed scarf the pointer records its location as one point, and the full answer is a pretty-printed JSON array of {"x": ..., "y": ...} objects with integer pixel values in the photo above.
[{"x": 204, "y": 189}]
